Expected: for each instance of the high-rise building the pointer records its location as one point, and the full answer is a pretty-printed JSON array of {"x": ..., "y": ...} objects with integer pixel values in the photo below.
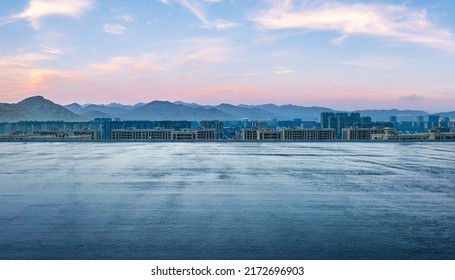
[
  {"x": 218, "y": 126},
  {"x": 433, "y": 121},
  {"x": 341, "y": 120}
]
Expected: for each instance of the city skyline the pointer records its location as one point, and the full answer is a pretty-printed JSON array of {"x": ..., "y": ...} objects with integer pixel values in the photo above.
[{"x": 346, "y": 55}]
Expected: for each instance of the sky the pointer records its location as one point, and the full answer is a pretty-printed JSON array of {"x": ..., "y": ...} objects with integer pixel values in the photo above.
[{"x": 347, "y": 55}]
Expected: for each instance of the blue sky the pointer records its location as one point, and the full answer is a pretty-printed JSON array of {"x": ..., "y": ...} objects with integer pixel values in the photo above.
[{"x": 343, "y": 54}]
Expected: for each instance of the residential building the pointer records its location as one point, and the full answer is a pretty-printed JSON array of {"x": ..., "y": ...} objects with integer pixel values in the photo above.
[
  {"x": 361, "y": 133},
  {"x": 309, "y": 134}
]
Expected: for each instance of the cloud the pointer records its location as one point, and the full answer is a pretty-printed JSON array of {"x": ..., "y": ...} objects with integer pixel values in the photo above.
[
  {"x": 54, "y": 51},
  {"x": 203, "y": 51},
  {"x": 115, "y": 29},
  {"x": 126, "y": 18},
  {"x": 38, "y": 9},
  {"x": 197, "y": 8},
  {"x": 21, "y": 73},
  {"x": 24, "y": 59},
  {"x": 380, "y": 62},
  {"x": 396, "y": 22},
  {"x": 145, "y": 63},
  {"x": 281, "y": 70},
  {"x": 188, "y": 53}
]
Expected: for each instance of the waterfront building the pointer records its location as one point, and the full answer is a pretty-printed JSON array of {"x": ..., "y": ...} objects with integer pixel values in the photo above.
[
  {"x": 194, "y": 134},
  {"x": 392, "y": 134},
  {"x": 206, "y": 134},
  {"x": 361, "y": 133},
  {"x": 290, "y": 134},
  {"x": 260, "y": 134},
  {"x": 108, "y": 126},
  {"x": 269, "y": 134},
  {"x": 141, "y": 134},
  {"x": 309, "y": 134},
  {"x": 442, "y": 136},
  {"x": 249, "y": 134},
  {"x": 86, "y": 134}
]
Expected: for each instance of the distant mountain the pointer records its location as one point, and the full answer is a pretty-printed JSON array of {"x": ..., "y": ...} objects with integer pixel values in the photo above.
[
  {"x": 251, "y": 113},
  {"x": 447, "y": 114},
  {"x": 192, "y": 105},
  {"x": 75, "y": 108},
  {"x": 112, "y": 110},
  {"x": 36, "y": 108},
  {"x": 11, "y": 112},
  {"x": 294, "y": 111},
  {"x": 164, "y": 110},
  {"x": 96, "y": 114},
  {"x": 266, "y": 111},
  {"x": 402, "y": 115},
  {"x": 40, "y": 109}
]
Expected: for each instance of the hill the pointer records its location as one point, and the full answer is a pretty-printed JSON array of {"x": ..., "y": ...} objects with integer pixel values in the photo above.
[{"x": 36, "y": 108}]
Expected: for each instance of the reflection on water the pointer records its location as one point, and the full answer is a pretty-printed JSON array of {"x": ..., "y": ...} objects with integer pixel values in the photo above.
[{"x": 227, "y": 201}]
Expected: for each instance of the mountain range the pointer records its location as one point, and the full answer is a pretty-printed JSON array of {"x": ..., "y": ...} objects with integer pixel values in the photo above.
[{"x": 37, "y": 108}]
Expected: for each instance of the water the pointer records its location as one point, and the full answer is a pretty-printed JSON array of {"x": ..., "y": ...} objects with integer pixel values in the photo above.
[{"x": 227, "y": 201}]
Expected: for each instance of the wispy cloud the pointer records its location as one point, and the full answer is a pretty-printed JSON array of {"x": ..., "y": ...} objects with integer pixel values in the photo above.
[
  {"x": 282, "y": 70},
  {"x": 145, "y": 63},
  {"x": 197, "y": 8},
  {"x": 126, "y": 18},
  {"x": 22, "y": 74},
  {"x": 203, "y": 51},
  {"x": 54, "y": 51},
  {"x": 397, "y": 22},
  {"x": 191, "y": 53},
  {"x": 115, "y": 29},
  {"x": 38, "y": 9},
  {"x": 24, "y": 59}
]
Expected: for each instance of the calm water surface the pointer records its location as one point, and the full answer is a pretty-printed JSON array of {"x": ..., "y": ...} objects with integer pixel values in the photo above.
[{"x": 227, "y": 201}]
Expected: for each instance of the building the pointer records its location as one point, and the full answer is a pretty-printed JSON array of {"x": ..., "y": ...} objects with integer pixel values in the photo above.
[
  {"x": 206, "y": 134},
  {"x": 433, "y": 122},
  {"x": 194, "y": 134},
  {"x": 82, "y": 134},
  {"x": 339, "y": 121},
  {"x": 108, "y": 126},
  {"x": 249, "y": 134},
  {"x": 289, "y": 134},
  {"x": 175, "y": 125},
  {"x": 361, "y": 133},
  {"x": 393, "y": 135},
  {"x": 184, "y": 135},
  {"x": 218, "y": 126},
  {"x": 269, "y": 134},
  {"x": 141, "y": 134},
  {"x": 309, "y": 134}
]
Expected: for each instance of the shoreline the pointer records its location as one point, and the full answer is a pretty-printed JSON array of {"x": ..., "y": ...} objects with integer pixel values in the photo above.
[{"x": 217, "y": 141}]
